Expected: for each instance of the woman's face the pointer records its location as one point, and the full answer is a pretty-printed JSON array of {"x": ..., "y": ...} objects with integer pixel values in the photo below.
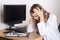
[{"x": 35, "y": 15}]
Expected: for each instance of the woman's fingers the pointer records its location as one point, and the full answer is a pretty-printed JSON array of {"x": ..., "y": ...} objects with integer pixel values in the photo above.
[
  {"x": 37, "y": 8},
  {"x": 38, "y": 11},
  {"x": 41, "y": 10},
  {"x": 31, "y": 20}
]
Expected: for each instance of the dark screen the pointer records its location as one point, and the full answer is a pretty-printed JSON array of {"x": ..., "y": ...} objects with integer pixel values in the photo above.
[{"x": 14, "y": 13}]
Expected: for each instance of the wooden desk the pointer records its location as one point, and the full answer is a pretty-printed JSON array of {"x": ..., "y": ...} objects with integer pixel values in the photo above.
[{"x": 32, "y": 36}]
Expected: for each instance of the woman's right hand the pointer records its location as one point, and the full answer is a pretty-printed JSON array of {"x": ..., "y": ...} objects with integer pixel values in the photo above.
[{"x": 30, "y": 20}]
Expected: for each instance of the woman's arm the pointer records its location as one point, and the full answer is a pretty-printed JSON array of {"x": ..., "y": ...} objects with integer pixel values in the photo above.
[
  {"x": 47, "y": 29},
  {"x": 30, "y": 27},
  {"x": 41, "y": 24},
  {"x": 41, "y": 28}
]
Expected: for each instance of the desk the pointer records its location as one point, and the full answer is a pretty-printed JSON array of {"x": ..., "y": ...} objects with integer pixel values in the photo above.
[{"x": 32, "y": 36}]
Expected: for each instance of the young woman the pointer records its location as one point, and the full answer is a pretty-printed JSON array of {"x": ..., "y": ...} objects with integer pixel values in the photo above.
[{"x": 45, "y": 22}]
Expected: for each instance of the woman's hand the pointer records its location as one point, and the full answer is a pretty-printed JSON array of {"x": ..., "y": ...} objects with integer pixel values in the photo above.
[
  {"x": 31, "y": 20},
  {"x": 40, "y": 13}
]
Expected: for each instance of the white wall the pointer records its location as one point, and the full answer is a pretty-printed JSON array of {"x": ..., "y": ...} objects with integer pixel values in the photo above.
[
  {"x": 10, "y": 2},
  {"x": 51, "y": 6}
]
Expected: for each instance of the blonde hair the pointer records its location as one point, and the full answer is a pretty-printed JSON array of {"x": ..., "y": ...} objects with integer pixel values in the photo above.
[{"x": 46, "y": 14}]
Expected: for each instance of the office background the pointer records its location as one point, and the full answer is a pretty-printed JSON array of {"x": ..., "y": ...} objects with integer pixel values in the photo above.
[{"x": 52, "y": 6}]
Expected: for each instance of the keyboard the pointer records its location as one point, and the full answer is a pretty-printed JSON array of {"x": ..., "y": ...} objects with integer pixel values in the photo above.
[{"x": 16, "y": 34}]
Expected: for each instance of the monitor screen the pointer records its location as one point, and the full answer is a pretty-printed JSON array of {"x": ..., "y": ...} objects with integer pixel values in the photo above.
[{"x": 14, "y": 14}]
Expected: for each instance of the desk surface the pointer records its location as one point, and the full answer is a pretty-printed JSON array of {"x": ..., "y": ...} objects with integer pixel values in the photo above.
[{"x": 32, "y": 36}]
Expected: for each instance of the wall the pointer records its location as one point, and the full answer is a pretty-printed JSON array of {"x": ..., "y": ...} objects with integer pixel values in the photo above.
[
  {"x": 51, "y": 6},
  {"x": 8, "y": 2}
]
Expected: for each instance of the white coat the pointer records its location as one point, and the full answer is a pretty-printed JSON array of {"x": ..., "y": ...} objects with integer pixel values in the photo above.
[{"x": 47, "y": 29}]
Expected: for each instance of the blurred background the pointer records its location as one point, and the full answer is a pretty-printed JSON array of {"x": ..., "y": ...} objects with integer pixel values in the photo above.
[{"x": 52, "y": 6}]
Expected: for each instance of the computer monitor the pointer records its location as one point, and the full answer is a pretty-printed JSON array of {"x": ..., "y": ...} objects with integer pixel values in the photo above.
[{"x": 14, "y": 14}]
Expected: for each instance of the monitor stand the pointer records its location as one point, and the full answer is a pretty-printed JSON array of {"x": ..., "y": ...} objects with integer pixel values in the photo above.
[
  {"x": 11, "y": 26},
  {"x": 10, "y": 29}
]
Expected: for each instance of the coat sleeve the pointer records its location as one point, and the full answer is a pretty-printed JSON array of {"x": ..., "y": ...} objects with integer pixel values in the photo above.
[
  {"x": 51, "y": 24},
  {"x": 41, "y": 28},
  {"x": 30, "y": 28}
]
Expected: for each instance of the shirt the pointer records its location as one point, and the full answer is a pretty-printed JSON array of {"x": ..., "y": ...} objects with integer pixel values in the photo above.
[{"x": 47, "y": 29}]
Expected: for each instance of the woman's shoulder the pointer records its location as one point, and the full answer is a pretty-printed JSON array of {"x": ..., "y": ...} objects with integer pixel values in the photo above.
[{"x": 52, "y": 16}]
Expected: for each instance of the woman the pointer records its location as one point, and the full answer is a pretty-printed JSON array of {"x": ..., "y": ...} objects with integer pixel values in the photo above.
[{"x": 45, "y": 22}]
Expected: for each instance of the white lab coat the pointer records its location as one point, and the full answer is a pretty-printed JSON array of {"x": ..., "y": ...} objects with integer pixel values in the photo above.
[{"x": 49, "y": 29}]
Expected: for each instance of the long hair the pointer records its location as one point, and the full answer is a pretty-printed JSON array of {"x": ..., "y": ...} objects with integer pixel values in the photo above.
[{"x": 45, "y": 13}]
